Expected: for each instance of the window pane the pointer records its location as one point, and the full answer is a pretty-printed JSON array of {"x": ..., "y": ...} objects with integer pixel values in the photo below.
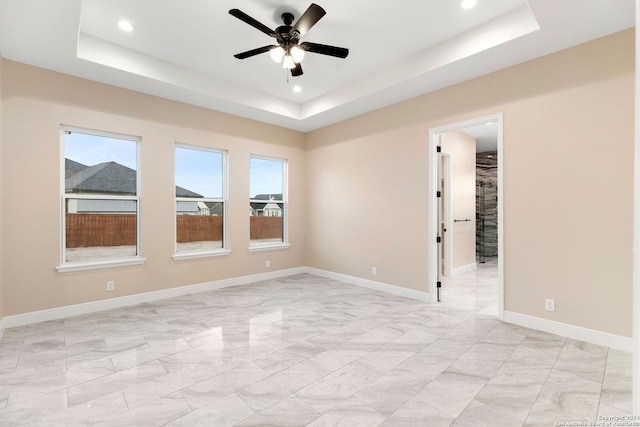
[
  {"x": 199, "y": 225},
  {"x": 98, "y": 229},
  {"x": 200, "y": 205},
  {"x": 266, "y": 179},
  {"x": 99, "y": 164},
  {"x": 266, "y": 206},
  {"x": 198, "y": 173}
]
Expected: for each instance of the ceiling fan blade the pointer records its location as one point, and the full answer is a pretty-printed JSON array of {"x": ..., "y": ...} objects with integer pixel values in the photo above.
[
  {"x": 323, "y": 49},
  {"x": 254, "y": 23},
  {"x": 307, "y": 20},
  {"x": 254, "y": 52},
  {"x": 297, "y": 70}
]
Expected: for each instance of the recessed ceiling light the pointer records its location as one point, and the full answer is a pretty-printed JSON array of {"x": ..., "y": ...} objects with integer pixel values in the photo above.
[
  {"x": 297, "y": 89},
  {"x": 490, "y": 123},
  {"x": 468, "y": 4},
  {"x": 125, "y": 26}
]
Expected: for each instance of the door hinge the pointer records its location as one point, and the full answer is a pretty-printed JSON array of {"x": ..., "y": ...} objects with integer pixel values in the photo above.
[
  {"x": 438, "y": 194},
  {"x": 438, "y": 285},
  {"x": 438, "y": 239},
  {"x": 438, "y": 149}
]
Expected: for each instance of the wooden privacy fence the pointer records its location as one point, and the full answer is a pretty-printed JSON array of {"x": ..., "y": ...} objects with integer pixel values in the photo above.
[
  {"x": 198, "y": 228},
  {"x": 266, "y": 227},
  {"x": 89, "y": 230}
]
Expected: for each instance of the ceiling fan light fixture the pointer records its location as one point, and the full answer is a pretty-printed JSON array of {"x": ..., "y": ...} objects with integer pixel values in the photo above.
[
  {"x": 276, "y": 54},
  {"x": 288, "y": 62},
  {"x": 297, "y": 53}
]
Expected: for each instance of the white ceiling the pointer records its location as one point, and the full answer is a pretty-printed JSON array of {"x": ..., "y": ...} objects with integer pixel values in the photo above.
[{"x": 183, "y": 50}]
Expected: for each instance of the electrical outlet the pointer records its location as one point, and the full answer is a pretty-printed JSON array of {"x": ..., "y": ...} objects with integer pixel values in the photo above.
[
  {"x": 374, "y": 271},
  {"x": 111, "y": 285},
  {"x": 550, "y": 304},
  {"x": 267, "y": 264}
]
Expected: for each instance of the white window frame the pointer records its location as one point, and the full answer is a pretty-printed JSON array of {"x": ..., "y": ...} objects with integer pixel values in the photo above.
[
  {"x": 67, "y": 266},
  {"x": 210, "y": 252},
  {"x": 255, "y": 247}
]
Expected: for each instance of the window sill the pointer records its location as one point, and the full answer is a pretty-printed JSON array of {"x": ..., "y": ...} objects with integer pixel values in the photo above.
[
  {"x": 200, "y": 254},
  {"x": 92, "y": 265},
  {"x": 268, "y": 247}
]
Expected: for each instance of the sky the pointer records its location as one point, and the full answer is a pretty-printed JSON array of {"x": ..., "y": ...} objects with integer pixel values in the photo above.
[
  {"x": 266, "y": 176},
  {"x": 200, "y": 171},
  {"x": 197, "y": 170},
  {"x": 93, "y": 149}
]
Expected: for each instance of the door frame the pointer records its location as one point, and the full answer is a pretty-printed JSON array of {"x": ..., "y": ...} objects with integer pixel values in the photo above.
[{"x": 432, "y": 213}]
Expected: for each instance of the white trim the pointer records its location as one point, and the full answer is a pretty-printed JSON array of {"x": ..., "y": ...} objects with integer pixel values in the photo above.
[
  {"x": 378, "y": 286},
  {"x": 464, "y": 269},
  {"x": 268, "y": 247},
  {"x": 557, "y": 328},
  {"x": 570, "y": 331},
  {"x": 93, "y": 265},
  {"x": 432, "y": 226},
  {"x": 118, "y": 302},
  {"x": 200, "y": 254}
]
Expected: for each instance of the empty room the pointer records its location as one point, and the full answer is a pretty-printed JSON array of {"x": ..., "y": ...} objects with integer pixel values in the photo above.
[{"x": 225, "y": 213}]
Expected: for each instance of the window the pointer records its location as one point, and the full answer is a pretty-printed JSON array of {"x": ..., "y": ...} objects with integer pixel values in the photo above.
[
  {"x": 200, "y": 202},
  {"x": 100, "y": 195},
  {"x": 267, "y": 203}
]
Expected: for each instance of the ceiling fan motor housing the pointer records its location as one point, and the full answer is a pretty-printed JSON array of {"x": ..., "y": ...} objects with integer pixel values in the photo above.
[{"x": 287, "y": 18}]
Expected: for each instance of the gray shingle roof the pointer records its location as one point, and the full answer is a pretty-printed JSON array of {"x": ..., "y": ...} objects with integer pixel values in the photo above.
[
  {"x": 109, "y": 177},
  {"x": 183, "y": 192},
  {"x": 72, "y": 167},
  {"x": 106, "y": 178}
]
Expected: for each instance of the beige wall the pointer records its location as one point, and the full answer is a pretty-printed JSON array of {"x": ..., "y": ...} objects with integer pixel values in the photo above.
[
  {"x": 568, "y": 169},
  {"x": 36, "y": 102},
  {"x": 358, "y": 189},
  {"x": 461, "y": 149}
]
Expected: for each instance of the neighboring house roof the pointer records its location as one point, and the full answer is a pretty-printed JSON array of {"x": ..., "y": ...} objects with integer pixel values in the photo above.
[
  {"x": 276, "y": 197},
  {"x": 72, "y": 167},
  {"x": 108, "y": 177},
  {"x": 183, "y": 192}
]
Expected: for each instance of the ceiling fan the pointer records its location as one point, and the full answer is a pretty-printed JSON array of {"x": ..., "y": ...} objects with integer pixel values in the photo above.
[{"x": 289, "y": 49}]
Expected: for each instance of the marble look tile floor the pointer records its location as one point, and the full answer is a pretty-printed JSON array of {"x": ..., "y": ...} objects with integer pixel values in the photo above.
[{"x": 307, "y": 351}]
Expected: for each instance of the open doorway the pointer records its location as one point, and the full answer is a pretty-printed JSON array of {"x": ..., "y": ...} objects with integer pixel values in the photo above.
[{"x": 465, "y": 215}]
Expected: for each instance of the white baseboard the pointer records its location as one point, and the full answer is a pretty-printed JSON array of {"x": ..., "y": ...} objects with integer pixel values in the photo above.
[
  {"x": 118, "y": 302},
  {"x": 570, "y": 331},
  {"x": 550, "y": 326},
  {"x": 371, "y": 284},
  {"x": 464, "y": 269}
]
